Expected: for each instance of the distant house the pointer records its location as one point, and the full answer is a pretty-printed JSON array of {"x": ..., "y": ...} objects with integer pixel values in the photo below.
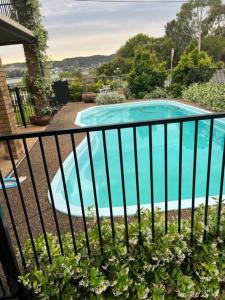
[{"x": 218, "y": 76}]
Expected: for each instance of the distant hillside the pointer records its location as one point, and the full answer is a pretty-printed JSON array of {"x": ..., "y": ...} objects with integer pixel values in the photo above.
[
  {"x": 89, "y": 62},
  {"x": 82, "y": 62}
]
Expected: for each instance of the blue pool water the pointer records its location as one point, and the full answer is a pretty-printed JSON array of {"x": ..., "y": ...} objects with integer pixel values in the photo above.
[{"x": 140, "y": 112}]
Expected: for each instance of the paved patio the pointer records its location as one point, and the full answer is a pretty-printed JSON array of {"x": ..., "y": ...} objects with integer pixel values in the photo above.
[{"x": 64, "y": 119}]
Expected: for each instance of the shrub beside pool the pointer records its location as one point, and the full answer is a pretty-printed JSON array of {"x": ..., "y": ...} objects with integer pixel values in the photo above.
[
  {"x": 209, "y": 95},
  {"x": 170, "y": 268}
]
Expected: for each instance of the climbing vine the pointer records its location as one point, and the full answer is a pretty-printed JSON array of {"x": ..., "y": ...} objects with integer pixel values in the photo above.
[{"x": 29, "y": 15}]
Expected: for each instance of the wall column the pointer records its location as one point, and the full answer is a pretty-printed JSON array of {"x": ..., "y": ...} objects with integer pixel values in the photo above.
[
  {"x": 7, "y": 118},
  {"x": 34, "y": 68}
]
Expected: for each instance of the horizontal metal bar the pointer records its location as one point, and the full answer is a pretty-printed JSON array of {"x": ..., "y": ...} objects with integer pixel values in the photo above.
[{"x": 113, "y": 126}]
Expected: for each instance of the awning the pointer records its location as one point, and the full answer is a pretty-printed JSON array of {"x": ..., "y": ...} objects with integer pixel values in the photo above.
[{"x": 11, "y": 32}]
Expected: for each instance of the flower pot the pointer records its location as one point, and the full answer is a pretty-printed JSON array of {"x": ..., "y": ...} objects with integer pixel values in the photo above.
[
  {"x": 40, "y": 120},
  {"x": 88, "y": 97}
]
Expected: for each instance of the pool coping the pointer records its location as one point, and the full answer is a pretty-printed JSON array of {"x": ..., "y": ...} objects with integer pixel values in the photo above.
[{"x": 131, "y": 209}]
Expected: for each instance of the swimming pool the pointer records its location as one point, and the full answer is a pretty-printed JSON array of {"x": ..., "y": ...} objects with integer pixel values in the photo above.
[{"x": 146, "y": 110}]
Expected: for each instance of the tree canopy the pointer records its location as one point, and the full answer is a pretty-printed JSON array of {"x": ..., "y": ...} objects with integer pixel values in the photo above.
[
  {"x": 196, "y": 19},
  {"x": 146, "y": 74}
]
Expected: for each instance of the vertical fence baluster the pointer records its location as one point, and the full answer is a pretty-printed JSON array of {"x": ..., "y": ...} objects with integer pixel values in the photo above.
[
  {"x": 221, "y": 190},
  {"x": 123, "y": 189},
  {"x": 2, "y": 288},
  {"x": 66, "y": 193},
  {"x": 194, "y": 180},
  {"x": 20, "y": 105},
  {"x": 108, "y": 184},
  {"x": 95, "y": 192},
  {"x": 208, "y": 175},
  {"x": 80, "y": 193},
  {"x": 50, "y": 192},
  {"x": 36, "y": 198},
  {"x": 166, "y": 177},
  {"x": 180, "y": 176},
  {"x": 12, "y": 220},
  {"x": 151, "y": 182},
  {"x": 137, "y": 180},
  {"x": 22, "y": 202}
]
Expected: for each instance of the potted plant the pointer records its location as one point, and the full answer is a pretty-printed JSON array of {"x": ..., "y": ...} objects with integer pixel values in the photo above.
[
  {"x": 44, "y": 117},
  {"x": 88, "y": 95}
]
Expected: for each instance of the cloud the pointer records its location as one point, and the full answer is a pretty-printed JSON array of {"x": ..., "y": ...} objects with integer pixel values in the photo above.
[{"x": 85, "y": 28}]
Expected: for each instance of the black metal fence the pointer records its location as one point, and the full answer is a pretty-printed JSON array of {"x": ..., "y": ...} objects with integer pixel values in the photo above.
[
  {"x": 7, "y": 9},
  {"x": 28, "y": 213},
  {"x": 23, "y": 104}
]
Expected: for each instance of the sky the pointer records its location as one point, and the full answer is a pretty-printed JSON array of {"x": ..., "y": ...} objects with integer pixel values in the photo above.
[{"x": 88, "y": 28}]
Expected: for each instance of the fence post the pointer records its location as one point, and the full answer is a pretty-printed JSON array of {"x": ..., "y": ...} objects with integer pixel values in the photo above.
[
  {"x": 9, "y": 264},
  {"x": 20, "y": 107}
]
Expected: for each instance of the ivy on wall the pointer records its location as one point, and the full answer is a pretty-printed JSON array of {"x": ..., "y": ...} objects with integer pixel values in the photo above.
[{"x": 29, "y": 14}]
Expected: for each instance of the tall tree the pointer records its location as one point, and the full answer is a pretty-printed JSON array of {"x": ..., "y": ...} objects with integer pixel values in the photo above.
[{"x": 196, "y": 19}]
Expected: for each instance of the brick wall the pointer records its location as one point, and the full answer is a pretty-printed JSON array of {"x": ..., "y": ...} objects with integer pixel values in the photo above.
[{"x": 7, "y": 117}]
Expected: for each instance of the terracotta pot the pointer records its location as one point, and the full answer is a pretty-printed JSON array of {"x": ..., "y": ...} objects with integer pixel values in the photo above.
[
  {"x": 88, "y": 97},
  {"x": 40, "y": 120}
]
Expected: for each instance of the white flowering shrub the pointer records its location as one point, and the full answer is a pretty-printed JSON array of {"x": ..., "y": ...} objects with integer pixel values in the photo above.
[
  {"x": 210, "y": 95},
  {"x": 109, "y": 98},
  {"x": 169, "y": 268},
  {"x": 158, "y": 93}
]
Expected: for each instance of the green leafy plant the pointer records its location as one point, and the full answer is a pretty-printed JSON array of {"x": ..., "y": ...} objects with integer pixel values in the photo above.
[
  {"x": 147, "y": 73},
  {"x": 158, "y": 92},
  {"x": 210, "y": 95},
  {"x": 48, "y": 111},
  {"x": 29, "y": 15},
  {"x": 75, "y": 91},
  {"x": 109, "y": 98},
  {"x": 169, "y": 268},
  {"x": 96, "y": 86},
  {"x": 194, "y": 66}
]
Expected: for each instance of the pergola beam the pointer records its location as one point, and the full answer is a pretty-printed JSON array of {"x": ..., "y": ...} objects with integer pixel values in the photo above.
[{"x": 11, "y": 32}]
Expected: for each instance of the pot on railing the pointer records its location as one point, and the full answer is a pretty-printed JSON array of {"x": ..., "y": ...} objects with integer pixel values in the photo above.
[{"x": 88, "y": 97}]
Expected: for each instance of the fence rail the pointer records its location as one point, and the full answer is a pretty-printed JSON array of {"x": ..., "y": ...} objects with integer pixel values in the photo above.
[
  {"x": 48, "y": 155},
  {"x": 23, "y": 104}
]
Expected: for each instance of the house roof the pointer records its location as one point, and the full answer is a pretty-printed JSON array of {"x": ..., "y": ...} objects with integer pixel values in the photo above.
[{"x": 11, "y": 32}]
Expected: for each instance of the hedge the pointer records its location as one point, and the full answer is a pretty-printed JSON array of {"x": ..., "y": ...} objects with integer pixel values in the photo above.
[
  {"x": 169, "y": 268},
  {"x": 209, "y": 95}
]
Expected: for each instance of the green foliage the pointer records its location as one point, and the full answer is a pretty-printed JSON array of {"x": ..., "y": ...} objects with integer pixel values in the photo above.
[
  {"x": 132, "y": 45},
  {"x": 108, "y": 69},
  {"x": 125, "y": 55},
  {"x": 176, "y": 89},
  {"x": 75, "y": 74},
  {"x": 41, "y": 84},
  {"x": 96, "y": 86},
  {"x": 210, "y": 95},
  {"x": 109, "y": 98},
  {"x": 194, "y": 66},
  {"x": 170, "y": 268},
  {"x": 214, "y": 46},
  {"x": 75, "y": 91},
  {"x": 29, "y": 14},
  {"x": 196, "y": 20},
  {"x": 158, "y": 92},
  {"x": 48, "y": 111},
  {"x": 146, "y": 74}
]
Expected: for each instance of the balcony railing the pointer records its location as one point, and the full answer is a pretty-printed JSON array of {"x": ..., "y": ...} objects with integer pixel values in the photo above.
[
  {"x": 7, "y": 9},
  {"x": 28, "y": 213}
]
